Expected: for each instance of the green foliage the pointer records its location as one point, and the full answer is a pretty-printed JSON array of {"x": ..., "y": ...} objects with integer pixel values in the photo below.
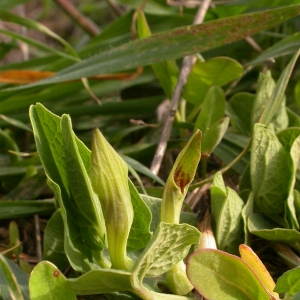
[{"x": 239, "y": 110}]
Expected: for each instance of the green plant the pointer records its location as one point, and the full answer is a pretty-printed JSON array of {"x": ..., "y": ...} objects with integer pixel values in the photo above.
[{"x": 118, "y": 240}]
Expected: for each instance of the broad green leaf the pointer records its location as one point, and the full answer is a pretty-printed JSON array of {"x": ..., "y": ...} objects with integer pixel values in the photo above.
[
  {"x": 239, "y": 110},
  {"x": 265, "y": 90},
  {"x": 226, "y": 209},
  {"x": 289, "y": 282},
  {"x": 180, "y": 178},
  {"x": 48, "y": 283},
  {"x": 79, "y": 256},
  {"x": 48, "y": 139},
  {"x": 212, "y": 109},
  {"x": 85, "y": 201},
  {"x": 218, "y": 275},
  {"x": 169, "y": 245},
  {"x": 177, "y": 43},
  {"x": 101, "y": 281},
  {"x": 139, "y": 235},
  {"x": 53, "y": 241},
  {"x": 212, "y": 137},
  {"x": 17, "y": 209},
  {"x": 262, "y": 227},
  {"x": 286, "y": 46},
  {"x": 277, "y": 97},
  {"x": 12, "y": 285},
  {"x": 166, "y": 72},
  {"x": 217, "y": 71},
  {"x": 16, "y": 123},
  {"x": 253, "y": 261},
  {"x": 270, "y": 171}
]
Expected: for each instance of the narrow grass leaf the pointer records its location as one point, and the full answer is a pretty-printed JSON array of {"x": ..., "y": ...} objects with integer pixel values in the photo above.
[
  {"x": 278, "y": 93},
  {"x": 11, "y": 280},
  {"x": 31, "y": 24},
  {"x": 175, "y": 44},
  {"x": 24, "y": 208},
  {"x": 286, "y": 46}
]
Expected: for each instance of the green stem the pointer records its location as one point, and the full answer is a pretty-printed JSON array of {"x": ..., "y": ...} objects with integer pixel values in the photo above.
[
  {"x": 223, "y": 170},
  {"x": 101, "y": 259},
  {"x": 177, "y": 280}
]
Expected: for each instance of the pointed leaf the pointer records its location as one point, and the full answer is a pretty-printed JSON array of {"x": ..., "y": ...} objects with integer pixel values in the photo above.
[{"x": 86, "y": 202}]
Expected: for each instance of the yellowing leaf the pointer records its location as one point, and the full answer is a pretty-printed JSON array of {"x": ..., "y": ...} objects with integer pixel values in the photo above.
[
  {"x": 30, "y": 76},
  {"x": 249, "y": 257}
]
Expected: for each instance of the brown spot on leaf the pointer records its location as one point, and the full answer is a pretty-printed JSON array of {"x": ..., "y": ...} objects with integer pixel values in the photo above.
[
  {"x": 181, "y": 178},
  {"x": 56, "y": 273}
]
